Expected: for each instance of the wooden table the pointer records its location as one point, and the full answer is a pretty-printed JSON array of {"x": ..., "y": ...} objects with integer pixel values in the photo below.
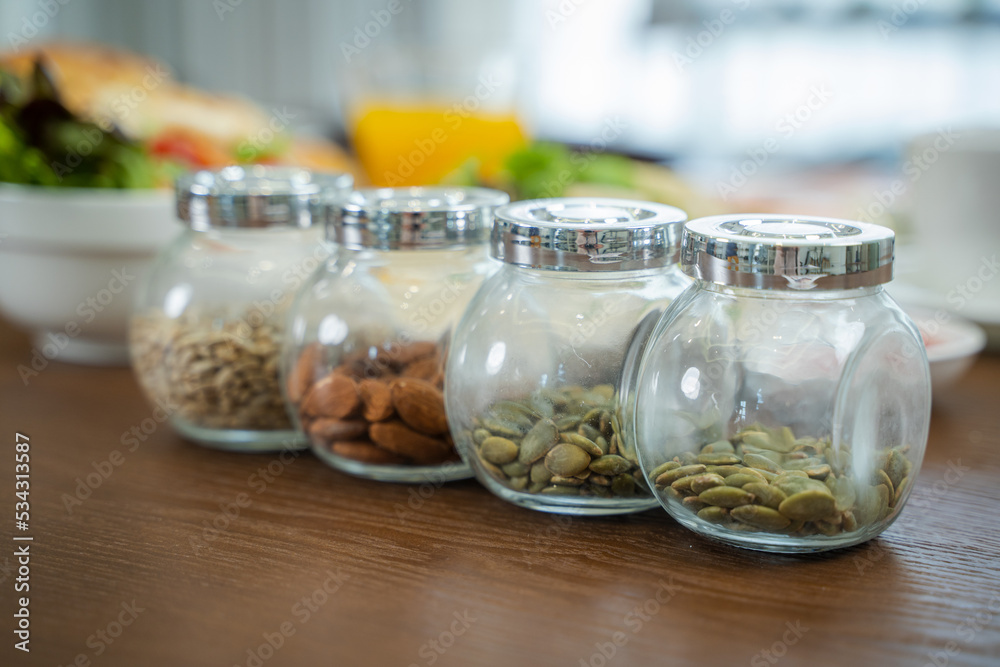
[{"x": 306, "y": 566}]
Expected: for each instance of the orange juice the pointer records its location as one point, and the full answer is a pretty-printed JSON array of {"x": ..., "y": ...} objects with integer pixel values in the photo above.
[{"x": 420, "y": 145}]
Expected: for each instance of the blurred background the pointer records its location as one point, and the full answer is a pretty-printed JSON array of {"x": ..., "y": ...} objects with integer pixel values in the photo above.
[
  {"x": 692, "y": 80},
  {"x": 885, "y": 111}
]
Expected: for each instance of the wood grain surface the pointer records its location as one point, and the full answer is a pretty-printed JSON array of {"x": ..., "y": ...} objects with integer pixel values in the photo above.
[{"x": 184, "y": 556}]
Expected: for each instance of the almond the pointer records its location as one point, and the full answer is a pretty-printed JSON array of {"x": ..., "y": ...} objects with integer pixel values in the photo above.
[
  {"x": 335, "y": 396},
  {"x": 366, "y": 452},
  {"x": 377, "y": 399},
  {"x": 331, "y": 430},
  {"x": 399, "y": 438},
  {"x": 428, "y": 368},
  {"x": 304, "y": 372},
  {"x": 406, "y": 354},
  {"x": 420, "y": 404}
]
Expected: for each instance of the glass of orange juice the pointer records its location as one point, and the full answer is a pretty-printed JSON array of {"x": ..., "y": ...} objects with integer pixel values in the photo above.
[{"x": 419, "y": 115}]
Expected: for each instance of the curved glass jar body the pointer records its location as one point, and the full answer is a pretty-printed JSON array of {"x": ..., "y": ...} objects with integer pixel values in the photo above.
[
  {"x": 364, "y": 366},
  {"x": 206, "y": 335},
  {"x": 206, "y": 332},
  {"x": 534, "y": 382},
  {"x": 783, "y": 420}
]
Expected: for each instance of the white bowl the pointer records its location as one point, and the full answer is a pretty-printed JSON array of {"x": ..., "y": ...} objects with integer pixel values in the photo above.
[
  {"x": 952, "y": 343},
  {"x": 70, "y": 260}
]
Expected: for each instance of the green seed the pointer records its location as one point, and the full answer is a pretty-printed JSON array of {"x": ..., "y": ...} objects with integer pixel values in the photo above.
[
  {"x": 765, "y": 494},
  {"x": 610, "y": 465},
  {"x": 719, "y": 447},
  {"x": 542, "y": 406},
  {"x": 583, "y": 443},
  {"x": 900, "y": 490},
  {"x": 566, "y": 423},
  {"x": 605, "y": 424},
  {"x": 896, "y": 467},
  {"x": 726, "y": 496},
  {"x": 540, "y": 474},
  {"x": 766, "y": 474},
  {"x": 493, "y": 470},
  {"x": 819, "y": 471},
  {"x": 671, "y": 476},
  {"x": 518, "y": 483},
  {"x": 589, "y": 432},
  {"x": 663, "y": 467},
  {"x": 600, "y": 480},
  {"x": 827, "y": 528},
  {"x": 706, "y": 481},
  {"x": 761, "y": 462},
  {"x": 505, "y": 428},
  {"x": 843, "y": 492},
  {"x": 726, "y": 471},
  {"x": 538, "y": 441},
  {"x": 566, "y": 459},
  {"x": 879, "y": 477},
  {"x": 687, "y": 458},
  {"x": 593, "y": 417},
  {"x": 719, "y": 459},
  {"x": 515, "y": 469},
  {"x": 566, "y": 481},
  {"x": 694, "y": 503},
  {"x": 713, "y": 514},
  {"x": 742, "y": 479},
  {"x": 683, "y": 484},
  {"x": 479, "y": 435},
  {"x": 760, "y": 516},
  {"x": 498, "y": 450},
  {"x": 800, "y": 464},
  {"x": 561, "y": 491},
  {"x": 623, "y": 485},
  {"x": 536, "y": 487},
  {"x": 808, "y": 505},
  {"x": 792, "y": 484}
]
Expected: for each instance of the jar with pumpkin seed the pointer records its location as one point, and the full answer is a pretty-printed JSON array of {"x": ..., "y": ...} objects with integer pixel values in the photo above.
[
  {"x": 782, "y": 402},
  {"x": 534, "y": 383}
]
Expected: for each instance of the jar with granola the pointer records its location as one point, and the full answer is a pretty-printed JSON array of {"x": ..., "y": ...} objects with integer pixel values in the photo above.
[{"x": 206, "y": 333}]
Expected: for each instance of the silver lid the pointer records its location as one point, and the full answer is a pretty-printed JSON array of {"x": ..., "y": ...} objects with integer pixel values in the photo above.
[
  {"x": 786, "y": 252},
  {"x": 587, "y": 234},
  {"x": 257, "y": 196},
  {"x": 412, "y": 218}
]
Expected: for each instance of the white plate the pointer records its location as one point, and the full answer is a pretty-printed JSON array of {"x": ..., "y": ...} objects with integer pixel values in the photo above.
[
  {"x": 70, "y": 260},
  {"x": 951, "y": 341}
]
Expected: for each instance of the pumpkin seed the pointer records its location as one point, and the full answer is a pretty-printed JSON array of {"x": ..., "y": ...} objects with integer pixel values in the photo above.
[
  {"x": 760, "y": 516},
  {"x": 498, "y": 450},
  {"x": 566, "y": 459},
  {"x": 610, "y": 465},
  {"x": 726, "y": 496}
]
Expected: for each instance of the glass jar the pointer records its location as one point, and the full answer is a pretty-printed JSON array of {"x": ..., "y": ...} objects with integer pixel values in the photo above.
[
  {"x": 363, "y": 366},
  {"x": 206, "y": 333},
  {"x": 782, "y": 402},
  {"x": 535, "y": 372}
]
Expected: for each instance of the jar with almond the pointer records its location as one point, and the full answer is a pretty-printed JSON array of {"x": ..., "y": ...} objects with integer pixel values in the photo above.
[
  {"x": 537, "y": 370},
  {"x": 363, "y": 366}
]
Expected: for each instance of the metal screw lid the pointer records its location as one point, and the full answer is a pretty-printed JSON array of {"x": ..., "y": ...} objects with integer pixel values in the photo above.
[
  {"x": 414, "y": 218},
  {"x": 587, "y": 234},
  {"x": 786, "y": 252},
  {"x": 257, "y": 196}
]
